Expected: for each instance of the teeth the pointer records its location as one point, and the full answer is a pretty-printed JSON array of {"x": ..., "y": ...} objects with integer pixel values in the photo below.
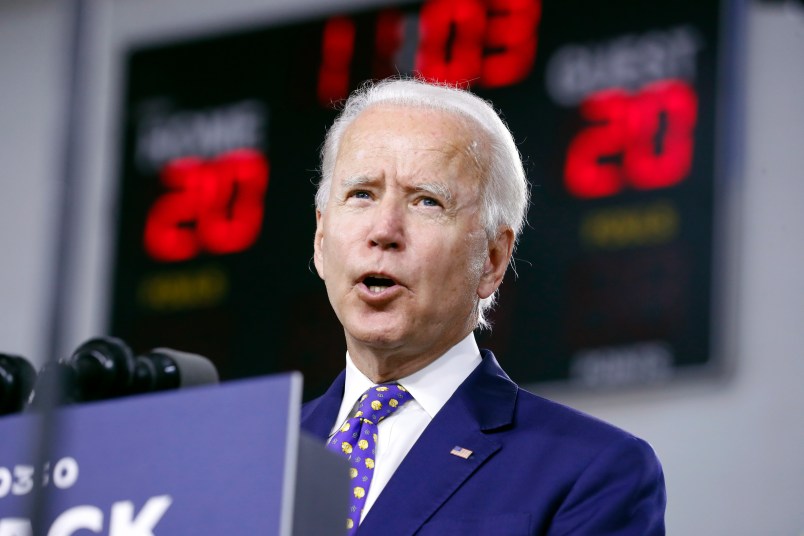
[{"x": 376, "y": 284}]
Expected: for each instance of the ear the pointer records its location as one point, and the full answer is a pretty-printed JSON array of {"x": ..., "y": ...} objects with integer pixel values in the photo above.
[
  {"x": 499, "y": 254},
  {"x": 318, "y": 244}
]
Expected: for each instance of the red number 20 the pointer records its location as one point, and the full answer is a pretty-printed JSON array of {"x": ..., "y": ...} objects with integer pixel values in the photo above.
[
  {"x": 214, "y": 206},
  {"x": 644, "y": 140}
]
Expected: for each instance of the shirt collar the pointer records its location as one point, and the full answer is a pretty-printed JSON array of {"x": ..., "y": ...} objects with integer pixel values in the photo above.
[{"x": 431, "y": 386}]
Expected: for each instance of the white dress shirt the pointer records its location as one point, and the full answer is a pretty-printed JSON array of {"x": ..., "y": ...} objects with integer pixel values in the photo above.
[{"x": 430, "y": 387}]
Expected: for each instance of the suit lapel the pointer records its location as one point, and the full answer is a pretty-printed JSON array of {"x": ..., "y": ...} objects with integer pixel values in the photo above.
[
  {"x": 430, "y": 474},
  {"x": 318, "y": 416}
]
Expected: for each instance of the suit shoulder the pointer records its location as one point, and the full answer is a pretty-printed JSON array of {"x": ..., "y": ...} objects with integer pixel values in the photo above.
[
  {"x": 574, "y": 429},
  {"x": 541, "y": 421}
]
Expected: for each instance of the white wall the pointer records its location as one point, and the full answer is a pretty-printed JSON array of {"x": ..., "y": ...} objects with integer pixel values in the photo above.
[
  {"x": 32, "y": 34},
  {"x": 733, "y": 448}
]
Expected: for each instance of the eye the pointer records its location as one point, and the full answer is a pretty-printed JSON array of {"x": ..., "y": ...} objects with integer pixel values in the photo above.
[
  {"x": 429, "y": 202},
  {"x": 360, "y": 194}
]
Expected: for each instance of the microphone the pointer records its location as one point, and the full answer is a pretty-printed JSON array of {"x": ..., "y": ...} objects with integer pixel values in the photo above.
[
  {"x": 105, "y": 367},
  {"x": 163, "y": 368},
  {"x": 17, "y": 378},
  {"x": 99, "y": 369}
]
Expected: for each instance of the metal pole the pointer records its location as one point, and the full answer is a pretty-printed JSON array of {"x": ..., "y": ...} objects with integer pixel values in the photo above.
[{"x": 67, "y": 212}]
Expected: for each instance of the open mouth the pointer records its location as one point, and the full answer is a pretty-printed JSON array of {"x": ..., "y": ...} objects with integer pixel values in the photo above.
[{"x": 377, "y": 284}]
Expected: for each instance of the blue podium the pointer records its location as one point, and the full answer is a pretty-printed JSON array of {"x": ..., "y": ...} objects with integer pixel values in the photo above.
[{"x": 216, "y": 460}]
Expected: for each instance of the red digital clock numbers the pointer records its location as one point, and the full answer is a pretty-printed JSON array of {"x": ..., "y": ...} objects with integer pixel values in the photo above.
[
  {"x": 214, "y": 206},
  {"x": 643, "y": 140},
  {"x": 486, "y": 43},
  {"x": 338, "y": 43},
  {"x": 491, "y": 42}
]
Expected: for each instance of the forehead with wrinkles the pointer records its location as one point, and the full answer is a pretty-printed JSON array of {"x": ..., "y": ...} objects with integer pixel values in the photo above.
[{"x": 446, "y": 132}]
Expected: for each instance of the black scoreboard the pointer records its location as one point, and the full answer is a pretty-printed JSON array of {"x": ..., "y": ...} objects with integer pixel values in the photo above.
[{"x": 615, "y": 107}]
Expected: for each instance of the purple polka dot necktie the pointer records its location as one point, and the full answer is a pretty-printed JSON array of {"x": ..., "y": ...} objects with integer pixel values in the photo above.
[{"x": 357, "y": 439}]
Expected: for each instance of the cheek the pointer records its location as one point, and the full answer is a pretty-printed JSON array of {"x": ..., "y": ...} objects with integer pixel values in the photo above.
[
  {"x": 475, "y": 252},
  {"x": 477, "y": 263},
  {"x": 335, "y": 252},
  {"x": 461, "y": 267}
]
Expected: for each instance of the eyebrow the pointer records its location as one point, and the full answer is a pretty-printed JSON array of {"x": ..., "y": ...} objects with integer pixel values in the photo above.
[
  {"x": 352, "y": 182},
  {"x": 436, "y": 188}
]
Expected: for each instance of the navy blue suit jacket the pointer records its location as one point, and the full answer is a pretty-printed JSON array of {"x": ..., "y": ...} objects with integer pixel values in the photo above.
[{"x": 536, "y": 467}]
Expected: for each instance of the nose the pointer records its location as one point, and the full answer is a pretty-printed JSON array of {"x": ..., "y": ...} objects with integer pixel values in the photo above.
[{"x": 388, "y": 225}]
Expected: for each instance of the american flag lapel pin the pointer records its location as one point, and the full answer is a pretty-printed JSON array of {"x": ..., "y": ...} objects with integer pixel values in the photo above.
[{"x": 461, "y": 452}]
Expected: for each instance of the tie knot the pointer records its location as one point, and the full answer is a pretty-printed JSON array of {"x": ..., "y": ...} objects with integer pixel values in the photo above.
[{"x": 380, "y": 401}]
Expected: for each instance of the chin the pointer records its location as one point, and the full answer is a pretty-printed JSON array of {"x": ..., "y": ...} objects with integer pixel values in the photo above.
[
  {"x": 379, "y": 338},
  {"x": 376, "y": 333}
]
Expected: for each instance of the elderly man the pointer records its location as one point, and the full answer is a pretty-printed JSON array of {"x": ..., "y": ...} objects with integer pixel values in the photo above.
[{"x": 421, "y": 201}]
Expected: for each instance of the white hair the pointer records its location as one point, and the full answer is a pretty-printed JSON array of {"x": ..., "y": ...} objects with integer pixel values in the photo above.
[{"x": 505, "y": 188}]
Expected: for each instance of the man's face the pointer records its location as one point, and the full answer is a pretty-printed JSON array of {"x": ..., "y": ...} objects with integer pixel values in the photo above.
[{"x": 400, "y": 243}]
